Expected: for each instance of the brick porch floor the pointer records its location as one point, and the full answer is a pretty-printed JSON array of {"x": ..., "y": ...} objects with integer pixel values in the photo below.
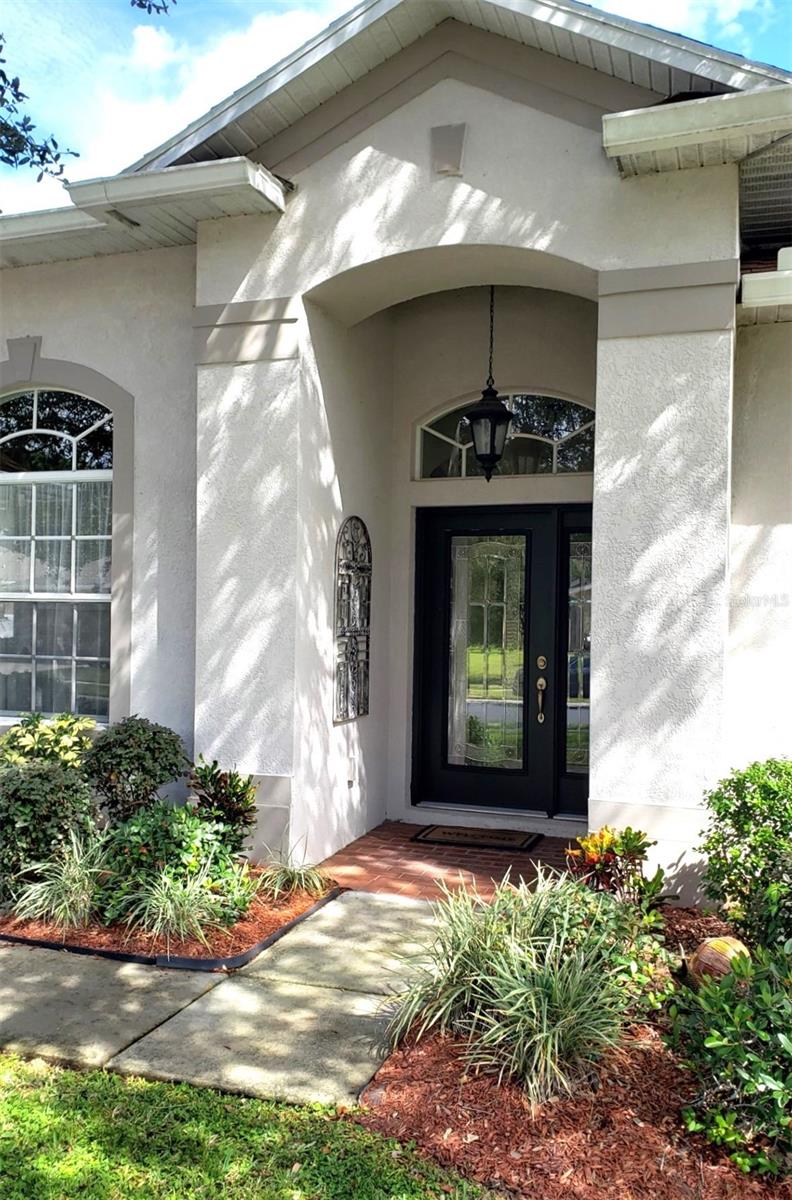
[{"x": 386, "y": 860}]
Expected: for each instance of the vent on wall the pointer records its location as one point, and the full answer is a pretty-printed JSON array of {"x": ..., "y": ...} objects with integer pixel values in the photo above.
[{"x": 447, "y": 146}]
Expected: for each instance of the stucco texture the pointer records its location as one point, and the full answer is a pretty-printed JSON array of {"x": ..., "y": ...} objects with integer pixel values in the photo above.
[
  {"x": 660, "y": 581},
  {"x": 522, "y": 188},
  {"x": 760, "y": 643}
]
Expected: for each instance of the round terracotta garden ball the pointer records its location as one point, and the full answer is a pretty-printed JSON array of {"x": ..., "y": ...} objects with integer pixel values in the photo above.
[{"x": 714, "y": 956}]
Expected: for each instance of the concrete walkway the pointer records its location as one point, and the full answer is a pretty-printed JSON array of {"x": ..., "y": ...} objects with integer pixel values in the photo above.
[{"x": 303, "y": 1022}]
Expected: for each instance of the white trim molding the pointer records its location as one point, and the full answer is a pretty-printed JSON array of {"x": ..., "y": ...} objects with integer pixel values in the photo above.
[
  {"x": 688, "y": 298},
  {"x": 247, "y": 331}
]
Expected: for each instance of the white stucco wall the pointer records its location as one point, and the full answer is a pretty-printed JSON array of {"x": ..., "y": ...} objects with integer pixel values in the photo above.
[
  {"x": 660, "y": 584},
  {"x": 760, "y": 645},
  {"x": 129, "y": 317},
  {"x": 531, "y": 181},
  {"x": 344, "y": 470}
]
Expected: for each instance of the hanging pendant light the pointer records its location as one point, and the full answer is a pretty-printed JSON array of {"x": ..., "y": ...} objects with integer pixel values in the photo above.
[{"x": 490, "y": 418}]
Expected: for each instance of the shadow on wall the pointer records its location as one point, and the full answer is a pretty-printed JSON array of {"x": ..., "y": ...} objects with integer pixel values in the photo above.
[
  {"x": 660, "y": 586},
  {"x": 345, "y": 454}
]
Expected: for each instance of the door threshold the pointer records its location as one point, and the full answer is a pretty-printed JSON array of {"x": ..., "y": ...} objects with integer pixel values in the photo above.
[
  {"x": 484, "y": 810},
  {"x": 496, "y": 818}
]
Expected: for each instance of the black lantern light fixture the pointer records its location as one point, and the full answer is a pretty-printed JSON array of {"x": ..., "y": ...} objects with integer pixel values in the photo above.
[{"x": 490, "y": 418}]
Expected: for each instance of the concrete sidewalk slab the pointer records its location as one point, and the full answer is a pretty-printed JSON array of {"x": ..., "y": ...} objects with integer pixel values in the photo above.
[
  {"x": 274, "y": 1039},
  {"x": 355, "y": 943},
  {"x": 83, "y": 1010}
]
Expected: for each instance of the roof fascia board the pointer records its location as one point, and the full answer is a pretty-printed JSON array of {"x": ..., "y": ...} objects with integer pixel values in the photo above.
[
  {"x": 631, "y": 36},
  {"x": 694, "y": 122},
  {"x": 635, "y": 37},
  {"x": 49, "y": 223},
  {"x": 176, "y": 183}
]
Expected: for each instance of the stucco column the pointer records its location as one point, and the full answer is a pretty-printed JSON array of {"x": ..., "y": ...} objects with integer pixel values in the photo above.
[
  {"x": 246, "y": 547},
  {"x": 660, "y": 549}
]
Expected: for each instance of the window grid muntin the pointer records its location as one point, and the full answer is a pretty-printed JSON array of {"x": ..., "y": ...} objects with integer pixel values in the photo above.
[
  {"x": 73, "y": 478},
  {"x": 425, "y": 430}
]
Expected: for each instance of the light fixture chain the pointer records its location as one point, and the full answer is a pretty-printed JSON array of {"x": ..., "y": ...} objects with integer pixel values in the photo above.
[{"x": 491, "y": 377}]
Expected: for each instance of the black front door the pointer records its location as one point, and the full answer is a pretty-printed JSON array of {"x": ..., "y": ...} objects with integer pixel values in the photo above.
[{"x": 501, "y": 691}]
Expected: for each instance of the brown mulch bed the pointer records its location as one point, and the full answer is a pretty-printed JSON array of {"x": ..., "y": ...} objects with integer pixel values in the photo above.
[
  {"x": 623, "y": 1141},
  {"x": 264, "y": 917},
  {"x": 688, "y": 927}
]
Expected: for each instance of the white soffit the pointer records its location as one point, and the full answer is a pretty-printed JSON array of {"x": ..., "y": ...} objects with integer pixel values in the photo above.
[
  {"x": 376, "y": 30},
  {"x": 140, "y": 212},
  {"x": 697, "y": 133}
]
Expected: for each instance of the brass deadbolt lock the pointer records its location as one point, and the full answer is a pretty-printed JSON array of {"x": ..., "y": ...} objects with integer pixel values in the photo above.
[{"x": 541, "y": 662}]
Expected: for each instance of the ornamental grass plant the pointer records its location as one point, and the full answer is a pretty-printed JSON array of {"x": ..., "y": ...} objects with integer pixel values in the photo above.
[{"x": 539, "y": 981}]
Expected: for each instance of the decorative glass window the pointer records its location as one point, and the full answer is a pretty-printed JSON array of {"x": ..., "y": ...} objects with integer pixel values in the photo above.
[
  {"x": 352, "y": 620},
  {"x": 56, "y": 459},
  {"x": 578, "y": 702},
  {"x": 548, "y": 436}
]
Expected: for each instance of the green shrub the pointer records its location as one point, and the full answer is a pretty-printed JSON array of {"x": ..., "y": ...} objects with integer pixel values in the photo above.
[
  {"x": 736, "y": 1036},
  {"x": 539, "y": 980},
  {"x": 66, "y": 888},
  {"x": 40, "y": 803},
  {"x": 227, "y": 798},
  {"x": 160, "y": 837},
  {"x": 129, "y": 762},
  {"x": 748, "y": 845},
  {"x": 64, "y": 739}
]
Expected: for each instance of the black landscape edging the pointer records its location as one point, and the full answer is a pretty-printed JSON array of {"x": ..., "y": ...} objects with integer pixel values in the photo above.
[{"x": 176, "y": 963}]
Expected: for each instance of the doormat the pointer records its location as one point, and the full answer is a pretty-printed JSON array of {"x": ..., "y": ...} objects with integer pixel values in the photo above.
[{"x": 477, "y": 839}]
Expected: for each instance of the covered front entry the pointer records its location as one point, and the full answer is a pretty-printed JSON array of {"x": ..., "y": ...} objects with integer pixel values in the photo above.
[{"x": 502, "y": 658}]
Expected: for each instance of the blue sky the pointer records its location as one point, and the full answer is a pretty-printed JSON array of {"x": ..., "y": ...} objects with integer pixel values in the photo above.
[{"x": 111, "y": 82}]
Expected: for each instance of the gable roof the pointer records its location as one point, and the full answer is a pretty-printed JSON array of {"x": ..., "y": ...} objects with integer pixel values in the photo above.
[{"x": 662, "y": 63}]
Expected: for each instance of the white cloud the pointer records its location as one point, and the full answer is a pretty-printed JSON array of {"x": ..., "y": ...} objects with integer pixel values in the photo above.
[
  {"x": 129, "y": 108},
  {"x": 152, "y": 48},
  {"x": 703, "y": 19}
]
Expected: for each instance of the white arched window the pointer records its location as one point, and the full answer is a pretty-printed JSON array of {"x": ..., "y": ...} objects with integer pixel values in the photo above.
[
  {"x": 548, "y": 436},
  {"x": 56, "y": 459}
]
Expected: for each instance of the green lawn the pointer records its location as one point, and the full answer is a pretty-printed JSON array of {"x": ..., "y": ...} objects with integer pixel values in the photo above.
[{"x": 97, "y": 1136}]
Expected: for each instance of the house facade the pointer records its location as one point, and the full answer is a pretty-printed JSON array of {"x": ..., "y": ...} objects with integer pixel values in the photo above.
[{"x": 239, "y": 492}]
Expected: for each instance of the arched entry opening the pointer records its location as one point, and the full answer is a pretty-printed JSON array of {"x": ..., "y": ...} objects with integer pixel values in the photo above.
[{"x": 453, "y": 721}]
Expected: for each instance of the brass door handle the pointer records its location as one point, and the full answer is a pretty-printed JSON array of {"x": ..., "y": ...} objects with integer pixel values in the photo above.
[{"x": 541, "y": 685}]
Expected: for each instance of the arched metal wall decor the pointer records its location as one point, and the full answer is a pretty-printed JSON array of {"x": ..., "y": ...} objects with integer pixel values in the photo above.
[{"x": 352, "y": 620}]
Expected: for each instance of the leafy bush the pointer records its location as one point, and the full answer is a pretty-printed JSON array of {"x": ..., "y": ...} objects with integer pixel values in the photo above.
[
  {"x": 129, "y": 762},
  {"x": 66, "y": 888},
  {"x": 748, "y": 845},
  {"x": 612, "y": 860},
  {"x": 64, "y": 739},
  {"x": 40, "y": 803},
  {"x": 539, "y": 980},
  {"x": 159, "y": 838},
  {"x": 736, "y": 1035},
  {"x": 227, "y": 798}
]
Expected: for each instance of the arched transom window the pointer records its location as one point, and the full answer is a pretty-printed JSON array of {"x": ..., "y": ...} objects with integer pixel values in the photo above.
[
  {"x": 548, "y": 436},
  {"x": 56, "y": 459}
]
